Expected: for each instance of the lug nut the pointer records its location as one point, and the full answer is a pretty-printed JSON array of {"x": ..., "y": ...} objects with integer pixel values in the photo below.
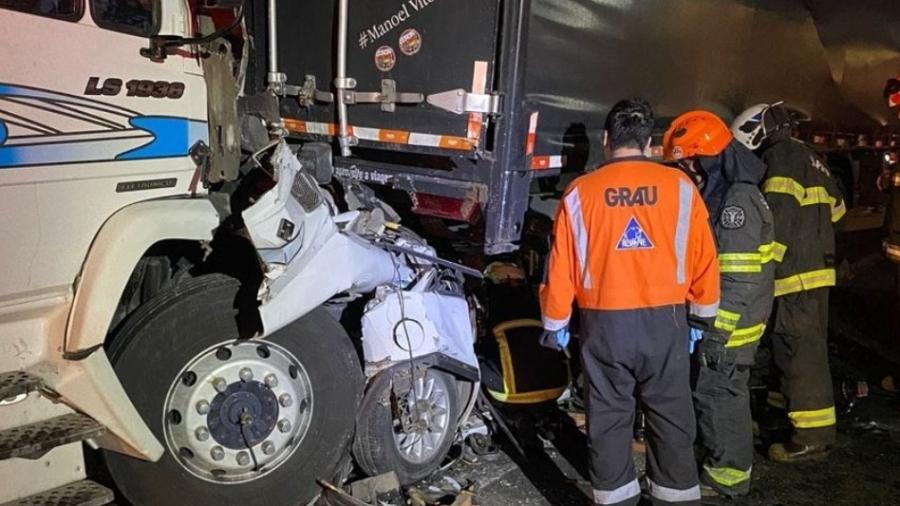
[
  {"x": 201, "y": 433},
  {"x": 202, "y": 407},
  {"x": 284, "y": 425},
  {"x": 220, "y": 385},
  {"x": 217, "y": 453},
  {"x": 271, "y": 381},
  {"x": 268, "y": 448},
  {"x": 243, "y": 458},
  {"x": 285, "y": 400},
  {"x": 246, "y": 375}
]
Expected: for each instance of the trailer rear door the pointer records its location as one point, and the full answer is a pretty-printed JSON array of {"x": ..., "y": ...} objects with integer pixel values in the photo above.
[{"x": 442, "y": 50}]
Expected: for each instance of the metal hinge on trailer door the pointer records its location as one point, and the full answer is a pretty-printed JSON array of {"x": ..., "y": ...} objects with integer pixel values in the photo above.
[
  {"x": 308, "y": 94},
  {"x": 460, "y": 101}
]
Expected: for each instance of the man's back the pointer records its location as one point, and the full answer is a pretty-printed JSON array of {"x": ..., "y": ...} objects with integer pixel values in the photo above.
[{"x": 636, "y": 236}]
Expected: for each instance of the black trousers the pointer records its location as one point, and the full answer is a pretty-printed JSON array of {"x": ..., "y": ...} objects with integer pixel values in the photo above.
[
  {"x": 639, "y": 354},
  {"x": 722, "y": 404},
  {"x": 800, "y": 352}
]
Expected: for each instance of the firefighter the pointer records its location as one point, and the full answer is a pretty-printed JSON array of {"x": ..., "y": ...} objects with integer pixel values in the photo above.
[
  {"x": 728, "y": 175},
  {"x": 632, "y": 245},
  {"x": 806, "y": 204}
]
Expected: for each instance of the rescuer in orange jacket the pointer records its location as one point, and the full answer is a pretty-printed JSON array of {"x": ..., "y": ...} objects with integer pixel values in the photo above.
[{"x": 633, "y": 247}]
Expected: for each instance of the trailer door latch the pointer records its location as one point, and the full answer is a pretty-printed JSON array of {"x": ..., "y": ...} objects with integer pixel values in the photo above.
[
  {"x": 460, "y": 101},
  {"x": 388, "y": 97}
]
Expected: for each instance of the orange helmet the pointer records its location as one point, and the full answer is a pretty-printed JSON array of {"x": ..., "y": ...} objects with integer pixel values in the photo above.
[{"x": 695, "y": 133}]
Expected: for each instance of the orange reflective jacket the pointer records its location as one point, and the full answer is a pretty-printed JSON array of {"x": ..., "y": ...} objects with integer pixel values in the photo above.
[{"x": 633, "y": 234}]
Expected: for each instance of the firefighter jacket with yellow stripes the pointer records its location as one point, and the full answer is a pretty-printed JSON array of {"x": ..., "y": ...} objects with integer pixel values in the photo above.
[
  {"x": 806, "y": 203},
  {"x": 745, "y": 234},
  {"x": 631, "y": 235}
]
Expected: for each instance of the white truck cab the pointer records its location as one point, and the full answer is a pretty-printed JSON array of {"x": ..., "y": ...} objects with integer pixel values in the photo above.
[
  {"x": 94, "y": 170},
  {"x": 161, "y": 292}
]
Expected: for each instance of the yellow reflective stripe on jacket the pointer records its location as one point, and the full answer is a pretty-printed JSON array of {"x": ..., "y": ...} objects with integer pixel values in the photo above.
[
  {"x": 813, "y": 419},
  {"x": 752, "y": 262},
  {"x": 779, "y": 251},
  {"x": 772, "y": 251},
  {"x": 731, "y": 268},
  {"x": 838, "y": 212},
  {"x": 740, "y": 262},
  {"x": 805, "y": 281},
  {"x": 727, "y": 476},
  {"x": 811, "y": 196},
  {"x": 745, "y": 336},
  {"x": 727, "y": 320},
  {"x": 785, "y": 185}
]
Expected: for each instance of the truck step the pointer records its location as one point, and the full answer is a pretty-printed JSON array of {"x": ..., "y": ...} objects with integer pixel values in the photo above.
[
  {"x": 38, "y": 438},
  {"x": 18, "y": 383},
  {"x": 79, "y": 493}
]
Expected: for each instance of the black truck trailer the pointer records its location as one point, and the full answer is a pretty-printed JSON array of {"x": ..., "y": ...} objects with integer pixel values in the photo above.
[{"x": 462, "y": 104}]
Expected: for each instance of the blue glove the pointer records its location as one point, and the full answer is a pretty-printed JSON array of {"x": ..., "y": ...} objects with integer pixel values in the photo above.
[
  {"x": 556, "y": 339},
  {"x": 695, "y": 335}
]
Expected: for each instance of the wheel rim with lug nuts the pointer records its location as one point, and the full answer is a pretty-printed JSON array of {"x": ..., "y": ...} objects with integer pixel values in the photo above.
[
  {"x": 237, "y": 411},
  {"x": 424, "y": 419}
]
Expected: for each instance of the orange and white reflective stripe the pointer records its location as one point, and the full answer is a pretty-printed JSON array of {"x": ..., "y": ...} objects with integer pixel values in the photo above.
[
  {"x": 532, "y": 135},
  {"x": 312, "y": 127},
  {"x": 382, "y": 135},
  {"x": 476, "y": 119},
  {"x": 540, "y": 162},
  {"x": 547, "y": 162}
]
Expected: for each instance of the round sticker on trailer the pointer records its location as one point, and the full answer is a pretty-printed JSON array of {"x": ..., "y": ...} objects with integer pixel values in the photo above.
[
  {"x": 385, "y": 58},
  {"x": 410, "y": 42}
]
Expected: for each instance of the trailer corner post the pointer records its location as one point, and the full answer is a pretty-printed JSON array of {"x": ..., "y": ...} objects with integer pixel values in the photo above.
[
  {"x": 510, "y": 185},
  {"x": 275, "y": 79},
  {"x": 341, "y": 82}
]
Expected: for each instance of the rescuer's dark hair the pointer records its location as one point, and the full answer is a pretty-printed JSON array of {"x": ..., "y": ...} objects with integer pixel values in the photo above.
[{"x": 629, "y": 124}]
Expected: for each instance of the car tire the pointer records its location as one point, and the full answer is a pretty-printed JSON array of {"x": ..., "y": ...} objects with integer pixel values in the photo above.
[{"x": 376, "y": 447}]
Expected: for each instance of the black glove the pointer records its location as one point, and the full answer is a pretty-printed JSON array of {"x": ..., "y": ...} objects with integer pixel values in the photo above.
[{"x": 711, "y": 349}]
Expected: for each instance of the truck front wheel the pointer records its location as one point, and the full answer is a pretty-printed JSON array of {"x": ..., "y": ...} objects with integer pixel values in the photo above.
[{"x": 247, "y": 422}]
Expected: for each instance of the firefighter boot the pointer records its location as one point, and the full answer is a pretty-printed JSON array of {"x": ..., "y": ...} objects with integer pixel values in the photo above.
[{"x": 793, "y": 452}]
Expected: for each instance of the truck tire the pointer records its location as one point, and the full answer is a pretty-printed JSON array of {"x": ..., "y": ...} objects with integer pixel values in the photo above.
[
  {"x": 208, "y": 396},
  {"x": 382, "y": 444}
]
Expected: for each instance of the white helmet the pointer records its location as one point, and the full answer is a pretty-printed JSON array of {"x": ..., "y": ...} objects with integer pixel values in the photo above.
[
  {"x": 757, "y": 123},
  {"x": 749, "y": 128}
]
